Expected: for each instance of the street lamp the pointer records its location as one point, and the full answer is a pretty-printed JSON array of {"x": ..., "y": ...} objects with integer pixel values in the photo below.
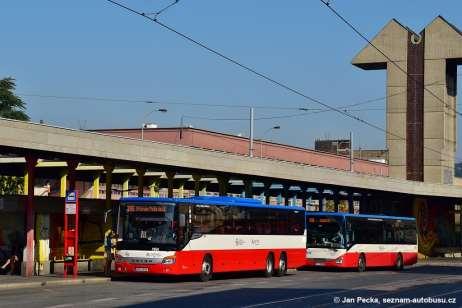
[
  {"x": 143, "y": 125},
  {"x": 263, "y": 135}
]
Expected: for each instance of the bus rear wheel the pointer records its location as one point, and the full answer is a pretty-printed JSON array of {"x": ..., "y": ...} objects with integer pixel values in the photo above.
[
  {"x": 361, "y": 263},
  {"x": 206, "y": 269},
  {"x": 269, "y": 269},
  {"x": 282, "y": 268},
  {"x": 399, "y": 265}
]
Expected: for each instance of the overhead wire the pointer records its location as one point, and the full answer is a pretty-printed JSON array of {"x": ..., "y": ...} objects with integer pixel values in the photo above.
[
  {"x": 156, "y": 14},
  {"x": 261, "y": 75}
]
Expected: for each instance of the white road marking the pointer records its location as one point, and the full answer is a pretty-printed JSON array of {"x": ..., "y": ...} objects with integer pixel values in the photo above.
[
  {"x": 101, "y": 300},
  {"x": 337, "y": 292},
  {"x": 293, "y": 299}
]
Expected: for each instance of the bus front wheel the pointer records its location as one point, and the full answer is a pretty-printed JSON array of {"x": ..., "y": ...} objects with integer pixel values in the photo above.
[
  {"x": 361, "y": 263},
  {"x": 206, "y": 269},
  {"x": 399, "y": 265}
]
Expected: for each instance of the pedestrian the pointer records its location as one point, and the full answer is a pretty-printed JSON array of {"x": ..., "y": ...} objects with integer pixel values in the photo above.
[
  {"x": 108, "y": 251},
  {"x": 9, "y": 263}
]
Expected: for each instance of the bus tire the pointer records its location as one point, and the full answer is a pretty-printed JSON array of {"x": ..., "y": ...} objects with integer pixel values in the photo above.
[
  {"x": 282, "y": 266},
  {"x": 206, "y": 269},
  {"x": 399, "y": 265},
  {"x": 269, "y": 268},
  {"x": 361, "y": 263}
]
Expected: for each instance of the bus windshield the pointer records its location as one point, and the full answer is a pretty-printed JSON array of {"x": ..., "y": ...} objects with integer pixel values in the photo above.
[
  {"x": 150, "y": 226},
  {"x": 324, "y": 232}
]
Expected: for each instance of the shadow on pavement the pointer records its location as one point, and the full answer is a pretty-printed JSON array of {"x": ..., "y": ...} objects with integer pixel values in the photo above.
[
  {"x": 306, "y": 297},
  {"x": 419, "y": 269},
  {"x": 190, "y": 278}
]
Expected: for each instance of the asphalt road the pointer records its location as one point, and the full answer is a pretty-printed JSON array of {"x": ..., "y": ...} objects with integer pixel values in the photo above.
[{"x": 298, "y": 289}]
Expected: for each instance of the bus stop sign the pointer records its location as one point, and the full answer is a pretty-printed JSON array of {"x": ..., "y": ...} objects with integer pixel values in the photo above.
[{"x": 71, "y": 233}]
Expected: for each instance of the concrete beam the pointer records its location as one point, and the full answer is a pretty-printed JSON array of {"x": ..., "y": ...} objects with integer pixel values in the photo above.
[{"x": 26, "y": 136}]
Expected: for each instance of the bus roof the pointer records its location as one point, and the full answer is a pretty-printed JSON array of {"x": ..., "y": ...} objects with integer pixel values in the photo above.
[
  {"x": 358, "y": 215},
  {"x": 212, "y": 200}
]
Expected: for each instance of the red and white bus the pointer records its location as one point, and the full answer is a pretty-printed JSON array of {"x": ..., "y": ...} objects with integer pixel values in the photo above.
[
  {"x": 360, "y": 241},
  {"x": 206, "y": 235}
]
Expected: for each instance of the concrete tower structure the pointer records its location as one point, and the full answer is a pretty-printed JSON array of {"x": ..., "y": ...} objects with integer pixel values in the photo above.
[{"x": 421, "y": 97}]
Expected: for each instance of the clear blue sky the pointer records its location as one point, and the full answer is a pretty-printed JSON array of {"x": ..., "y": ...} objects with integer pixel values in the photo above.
[{"x": 91, "y": 48}]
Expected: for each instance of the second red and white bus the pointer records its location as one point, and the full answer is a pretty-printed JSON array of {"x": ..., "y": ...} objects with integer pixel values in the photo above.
[
  {"x": 345, "y": 240},
  {"x": 206, "y": 235}
]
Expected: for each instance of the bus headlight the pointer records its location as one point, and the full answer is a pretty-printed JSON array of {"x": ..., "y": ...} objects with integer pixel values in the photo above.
[
  {"x": 339, "y": 260},
  {"x": 169, "y": 260}
]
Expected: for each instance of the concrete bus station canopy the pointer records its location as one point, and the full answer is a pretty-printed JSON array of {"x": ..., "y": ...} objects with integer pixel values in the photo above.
[{"x": 17, "y": 137}]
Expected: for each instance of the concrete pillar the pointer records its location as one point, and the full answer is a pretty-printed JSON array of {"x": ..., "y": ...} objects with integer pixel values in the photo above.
[
  {"x": 248, "y": 188},
  {"x": 280, "y": 198},
  {"x": 42, "y": 231},
  {"x": 29, "y": 258},
  {"x": 181, "y": 188},
  {"x": 140, "y": 173},
  {"x": 71, "y": 172},
  {"x": 351, "y": 208},
  {"x": 95, "y": 185},
  {"x": 125, "y": 182},
  {"x": 223, "y": 182},
  {"x": 363, "y": 203},
  {"x": 285, "y": 192},
  {"x": 303, "y": 195},
  {"x": 321, "y": 199},
  {"x": 108, "y": 168},
  {"x": 63, "y": 183},
  {"x": 197, "y": 182},
  {"x": 154, "y": 187},
  {"x": 336, "y": 199},
  {"x": 200, "y": 188},
  {"x": 267, "y": 189},
  {"x": 170, "y": 178}
]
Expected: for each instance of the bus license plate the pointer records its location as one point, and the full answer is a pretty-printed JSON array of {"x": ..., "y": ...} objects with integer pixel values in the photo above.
[
  {"x": 319, "y": 264},
  {"x": 141, "y": 269}
]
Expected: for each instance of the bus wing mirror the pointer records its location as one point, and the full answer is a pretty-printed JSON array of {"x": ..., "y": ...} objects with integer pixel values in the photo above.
[
  {"x": 106, "y": 215},
  {"x": 182, "y": 221},
  {"x": 196, "y": 236}
]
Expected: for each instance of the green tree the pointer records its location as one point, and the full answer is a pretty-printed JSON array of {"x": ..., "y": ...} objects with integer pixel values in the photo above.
[{"x": 11, "y": 106}]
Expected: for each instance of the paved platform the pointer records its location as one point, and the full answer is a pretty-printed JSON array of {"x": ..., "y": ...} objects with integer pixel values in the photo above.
[
  {"x": 8, "y": 282},
  {"x": 19, "y": 282},
  {"x": 317, "y": 288},
  {"x": 441, "y": 261}
]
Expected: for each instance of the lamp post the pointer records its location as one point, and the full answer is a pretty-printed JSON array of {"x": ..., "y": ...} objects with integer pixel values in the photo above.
[
  {"x": 266, "y": 132},
  {"x": 252, "y": 121},
  {"x": 143, "y": 125}
]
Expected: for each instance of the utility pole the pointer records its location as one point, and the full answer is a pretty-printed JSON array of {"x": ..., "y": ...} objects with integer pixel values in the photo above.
[
  {"x": 251, "y": 133},
  {"x": 351, "y": 152}
]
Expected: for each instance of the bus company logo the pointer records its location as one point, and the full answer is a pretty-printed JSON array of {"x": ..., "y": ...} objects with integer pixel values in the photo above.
[
  {"x": 255, "y": 242},
  {"x": 239, "y": 242}
]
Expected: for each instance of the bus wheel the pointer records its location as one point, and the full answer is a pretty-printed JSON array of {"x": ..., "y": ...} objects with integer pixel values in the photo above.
[
  {"x": 282, "y": 268},
  {"x": 206, "y": 269},
  {"x": 361, "y": 263},
  {"x": 269, "y": 269},
  {"x": 399, "y": 265}
]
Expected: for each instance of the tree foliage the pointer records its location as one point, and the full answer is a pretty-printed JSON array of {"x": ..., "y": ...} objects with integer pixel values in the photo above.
[
  {"x": 11, "y": 106},
  {"x": 11, "y": 185}
]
